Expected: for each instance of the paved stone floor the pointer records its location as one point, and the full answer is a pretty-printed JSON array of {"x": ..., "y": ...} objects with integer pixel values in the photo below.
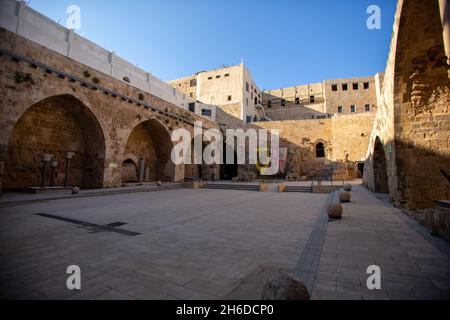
[
  {"x": 194, "y": 244},
  {"x": 216, "y": 244},
  {"x": 413, "y": 264}
]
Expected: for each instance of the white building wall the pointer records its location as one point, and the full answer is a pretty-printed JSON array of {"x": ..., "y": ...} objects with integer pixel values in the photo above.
[{"x": 16, "y": 17}]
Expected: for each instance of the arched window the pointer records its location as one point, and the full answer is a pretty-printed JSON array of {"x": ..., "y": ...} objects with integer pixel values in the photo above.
[
  {"x": 320, "y": 150},
  {"x": 193, "y": 83}
]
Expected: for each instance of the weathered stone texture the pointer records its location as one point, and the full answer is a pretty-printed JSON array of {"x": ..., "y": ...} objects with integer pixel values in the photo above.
[
  {"x": 115, "y": 117},
  {"x": 413, "y": 120},
  {"x": 344, "y": 137}
]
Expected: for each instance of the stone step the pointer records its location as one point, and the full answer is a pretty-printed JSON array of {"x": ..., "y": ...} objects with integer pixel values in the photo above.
[
  {"x": 298, "y": 189},
  {"x": 229, "y": 186}
]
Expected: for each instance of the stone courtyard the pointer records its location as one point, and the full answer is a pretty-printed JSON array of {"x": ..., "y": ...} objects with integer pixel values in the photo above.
[
  {"x": 216, "y": 244},
  {"x": 88, "y": 176}
]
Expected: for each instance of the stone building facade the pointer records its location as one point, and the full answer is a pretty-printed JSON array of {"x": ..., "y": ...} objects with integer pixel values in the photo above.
[
  {"x": 53, "y": 104},
  {"x": 324, "y": 99},
  {"x": 231, "y": 89},
  {"x": 409, "y": 148}
]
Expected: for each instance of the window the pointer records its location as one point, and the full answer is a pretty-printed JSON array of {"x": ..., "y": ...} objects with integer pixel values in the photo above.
[
  {"x": 192, "y": 107},
  {"x": 246, "y": 102},
  {"x": 218, "y": 76},
  {"x": 248, "y": 119},
  {"x": 366, "y": 85},
  {"x": 320, "y": 150},
  {"x": 229, "y": 98},
  {"x": 227, "y": 74},
  {"x": 283, "y": 102},
  {"x": 297, "y": 100},
  {"x": 246, "y": 86},
  {"x": 191, "y": 94},
  {"x": 256, "y": 100},
  {"x": 334, "y": 87},
  {"x": 209, "y": 78},
  {"x": 355, "y": 86},
  {"x": 252, "y": 96},
  {"x": 311, "y": 99},
  {"x": 206, "y": 112},
  {"x": 367, "y": 107},
  {"x": 340, "y": 109},
  {"x": 344, "y": 87},
  {"x": 269, "y": 104},
  {"x": 193, "y": 83},
  {"x": 352, "y": 108}
]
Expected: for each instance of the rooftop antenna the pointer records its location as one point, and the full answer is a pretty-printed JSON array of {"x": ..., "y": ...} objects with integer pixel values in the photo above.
[
  {"x": 242, "y": 60},
  {"x": 28, "y": 3}
]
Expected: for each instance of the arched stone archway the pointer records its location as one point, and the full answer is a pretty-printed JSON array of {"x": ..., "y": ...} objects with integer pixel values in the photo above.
[
  {"x": 151, "y": 141},
  {"x": 228, "y": 170},
  {"x": 380, "y": 168},
  {"x": 56, "y": 125},
  {"x": 421, "y": 94},
  {"x": 129, "y": 171},
  {"x": 320, "y": 150}
]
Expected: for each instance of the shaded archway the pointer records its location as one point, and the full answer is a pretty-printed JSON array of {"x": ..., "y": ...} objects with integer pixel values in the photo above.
[
  {"x": 228, "y": 170},
  {"x": 150, "y": 140},
  {"x": 380, "y": 168},
  {"x": 129, "y": 171},
  {"x": 320, "y": 150},
  {"x": 56, "y": 125}
]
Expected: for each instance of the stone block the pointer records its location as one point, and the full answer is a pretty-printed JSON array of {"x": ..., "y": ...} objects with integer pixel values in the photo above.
[
  {"x": 334, "y": 211},
  {"x": 285, "y": 286},
  {"x": 345, "y": 196}
]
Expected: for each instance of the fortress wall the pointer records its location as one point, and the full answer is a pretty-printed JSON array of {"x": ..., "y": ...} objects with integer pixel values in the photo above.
[{"x": 18, "y": 18}]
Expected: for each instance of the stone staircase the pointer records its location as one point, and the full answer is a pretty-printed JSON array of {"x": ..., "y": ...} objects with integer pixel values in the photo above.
[
  {"x": 233, "y": 186},
  {"x": 307, "y": 189}
]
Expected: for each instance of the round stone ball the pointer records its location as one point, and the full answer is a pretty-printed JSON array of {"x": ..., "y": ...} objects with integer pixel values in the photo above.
[
  {"x": 159, "y": 183},
  {"x": 284, "y": 286},
  {"x": 335, "y": 211},
  {"x": 75, "y": 190},
  {"x": 347, "y": 187},
  {"x": 345, "y": 196}
]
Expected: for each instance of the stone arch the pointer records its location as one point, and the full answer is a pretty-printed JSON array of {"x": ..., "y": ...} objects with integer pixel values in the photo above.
[
  {"x": 421, "y": 96},
  {"x": 56, "y": 125},
  {"x": 320, "y": 149},
  {"x": 151, "y": 140},
  {"x": 228, "y": 170},
  {"x": 380, "y": 176},
  {"x": 129, "y": 169}
]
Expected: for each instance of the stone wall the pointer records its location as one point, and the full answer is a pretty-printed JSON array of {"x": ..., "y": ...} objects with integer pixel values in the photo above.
[
  {"x": 115, "y": 107},
  {"x": 188, "y": 85},
  {"x": 17, "y": 17},
  {"x": 344, "y": 137},
  {"x": 413, "y": 121},
  {"x": 357, "y": 97},
  {"x": 319, "y": 100}
]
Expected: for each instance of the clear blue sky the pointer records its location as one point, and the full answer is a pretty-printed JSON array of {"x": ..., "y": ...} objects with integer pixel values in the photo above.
[{"x": 282, "y": 42}]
